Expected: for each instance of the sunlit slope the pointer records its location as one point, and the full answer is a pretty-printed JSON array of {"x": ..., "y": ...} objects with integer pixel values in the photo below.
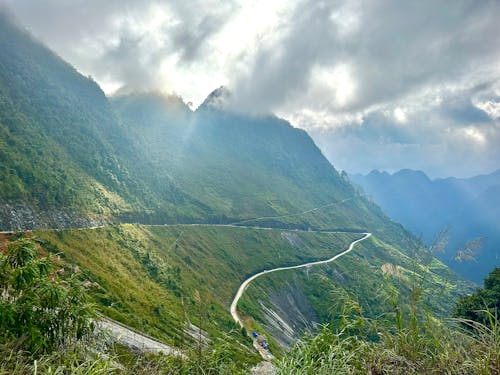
[
  {"x": 72, "y": 159},
  {"x": 374, "y": 276},
  {"x": 149, "y": 277},
  {"x": 64, "y": 154},
  {"x": 160, "y": 278},
  {"x": 255, "y": 170}
]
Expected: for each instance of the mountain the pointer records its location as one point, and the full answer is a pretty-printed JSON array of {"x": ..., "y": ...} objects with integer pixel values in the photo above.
[
  {"x": 72, "y": 157},
  {"x": 244, "y": 167},
  {"x": 66, "y": 158},
  {"x": 469, "y": 207},
  {"x": 161, "y": 183}
]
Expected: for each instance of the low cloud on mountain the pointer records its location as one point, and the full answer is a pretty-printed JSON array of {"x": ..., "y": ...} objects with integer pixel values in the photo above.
[{"x": 379, "y": 84}]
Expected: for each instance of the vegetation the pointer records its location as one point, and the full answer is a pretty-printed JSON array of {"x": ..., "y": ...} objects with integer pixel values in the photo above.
[
  {"x": 39, "y": 309},
  {"x": 395, "y": 346},
  {"x": 46, "y": 320},
  {"x": 73, "y": 158},
  {"x": 190, "y": 272},
  {"x": 374, "y": 276},
  {"x": 406, "y": 340},
  {"x": 410, "y": 340},
  {"x": 480, "y": 305}
]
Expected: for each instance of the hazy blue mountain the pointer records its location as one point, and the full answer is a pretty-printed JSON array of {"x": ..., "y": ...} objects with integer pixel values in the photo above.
[{"x": 469, "y": 207}]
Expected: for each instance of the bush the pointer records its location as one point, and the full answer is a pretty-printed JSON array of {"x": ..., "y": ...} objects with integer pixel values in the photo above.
[{"x": 41, "y": 308}]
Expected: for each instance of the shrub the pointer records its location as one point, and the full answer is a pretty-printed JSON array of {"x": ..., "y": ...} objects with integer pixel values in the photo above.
[{"x": 41, "y": 307}]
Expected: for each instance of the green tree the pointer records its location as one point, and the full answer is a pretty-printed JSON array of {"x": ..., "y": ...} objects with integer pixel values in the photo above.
[
  {"x": 41, "y": 306},
  {"x": 488, "y": 297}
]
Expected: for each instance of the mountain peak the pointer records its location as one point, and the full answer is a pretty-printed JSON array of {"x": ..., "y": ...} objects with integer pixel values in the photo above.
[
  {"x": 217, "y": 99},
  {"x": 416, "y": 175}
]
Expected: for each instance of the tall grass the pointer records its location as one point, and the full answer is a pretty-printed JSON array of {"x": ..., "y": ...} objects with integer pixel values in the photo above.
[
  {"x": 76, "y": 360},
  {"x": 420, "y": 345}
]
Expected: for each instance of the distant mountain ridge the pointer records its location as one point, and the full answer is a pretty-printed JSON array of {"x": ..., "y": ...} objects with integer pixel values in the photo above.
[{"x": 470, "y": 207}]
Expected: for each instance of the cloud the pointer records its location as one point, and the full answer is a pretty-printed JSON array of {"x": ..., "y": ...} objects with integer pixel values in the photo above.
[
  {"x": 125, "y": 42},
  {"x": 388, "y": 49},
  {"x": 451, "y": 137},
  {"x": 411, "y": 84}
]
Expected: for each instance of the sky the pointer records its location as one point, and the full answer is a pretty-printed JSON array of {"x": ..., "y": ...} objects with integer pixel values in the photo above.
[{"x": 385, "y": 84}]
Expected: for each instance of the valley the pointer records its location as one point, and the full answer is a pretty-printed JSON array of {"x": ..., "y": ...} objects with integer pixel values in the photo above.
[
  {"x": 463, "y": 211},
  {"x": 184, "y": 231}
]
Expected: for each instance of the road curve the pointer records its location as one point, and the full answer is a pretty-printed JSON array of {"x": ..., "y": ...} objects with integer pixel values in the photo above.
[{"x": 245, "y": 283}]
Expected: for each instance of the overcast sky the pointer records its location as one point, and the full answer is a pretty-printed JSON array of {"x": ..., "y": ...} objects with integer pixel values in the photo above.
[{"x": 378, "y": 84}]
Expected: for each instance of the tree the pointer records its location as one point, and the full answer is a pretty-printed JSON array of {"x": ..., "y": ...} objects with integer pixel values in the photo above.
[
  {"x": 41, "y": 306},
  {"x": 487, "y": 297}
]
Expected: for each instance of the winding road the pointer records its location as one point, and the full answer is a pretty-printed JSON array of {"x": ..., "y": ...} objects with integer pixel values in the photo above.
[
  {"x": 244, "y": 285},
  {"x": 138, "y": 340}
]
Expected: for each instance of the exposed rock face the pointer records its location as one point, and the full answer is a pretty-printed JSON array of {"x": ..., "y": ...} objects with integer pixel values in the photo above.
[
  {"x": 290, "y": 314},
  {"x": 22, "y": 217},
  {"x": 293, "y": 239}
]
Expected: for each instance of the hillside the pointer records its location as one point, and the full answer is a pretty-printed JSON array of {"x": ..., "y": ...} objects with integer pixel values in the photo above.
[
  {"x": 248, "y": 170},
  {"x": 468, "y": 207},
  {"x": 72, "y": 158},
  {"x": 192, "y": 272},
  {"x": 66, "y": 158},
  {"x": 138, "y": 191}
]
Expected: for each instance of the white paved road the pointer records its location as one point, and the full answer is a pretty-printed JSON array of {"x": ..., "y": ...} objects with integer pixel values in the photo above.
[
  {"x": 244, "y": 285},
  {"x": 135, "y": 339}
]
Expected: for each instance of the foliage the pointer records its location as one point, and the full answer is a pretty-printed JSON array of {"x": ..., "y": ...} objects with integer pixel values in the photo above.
[
  {"x": 91, "y": 360},
  {"x": 175, "y": 264},
  {"x": 404, "y": 343},
  {"x": 39, "y": 308},
  {"x": 77, "y": 359},
  {"x": 376, "y": 276},
  {"x": 473, "y": 306}
]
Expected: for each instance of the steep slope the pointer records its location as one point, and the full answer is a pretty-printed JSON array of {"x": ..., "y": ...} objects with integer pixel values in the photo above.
[
  {"x": 70, "y": 160},
  {"x": 191, "y": 273},
  {"x": 73, "y": 158},
  {"x": 64, "y": 154},
  {"x": 249, "y": 170},
  {"x": 468, "y": 207}
]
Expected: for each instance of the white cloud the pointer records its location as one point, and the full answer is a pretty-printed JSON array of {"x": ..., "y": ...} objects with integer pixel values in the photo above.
[{"x": 412, "y": 83}]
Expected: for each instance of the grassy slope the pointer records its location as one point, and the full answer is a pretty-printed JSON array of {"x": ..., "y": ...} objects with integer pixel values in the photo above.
[
  {"x": 149, "y": 277},
  {"x": 361, "y": 276},
  {"x": 154, "y": 278}
]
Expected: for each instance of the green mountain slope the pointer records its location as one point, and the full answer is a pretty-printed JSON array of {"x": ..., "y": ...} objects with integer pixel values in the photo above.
[
  {"x": 249, "y": 170},
  {"x": 161, "y": 279},
  {"x": 64, "y": 154},
  {"x": 71, "y": 157},
  {"x": 149, "y": 277}
]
